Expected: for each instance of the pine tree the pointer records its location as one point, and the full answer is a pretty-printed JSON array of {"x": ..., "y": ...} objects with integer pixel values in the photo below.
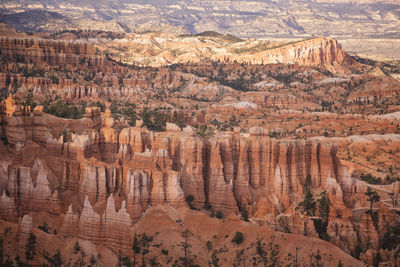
[
  {"x": 308, "y": 204},
  {"x": 145, "y": 242},
  {"x": 2, "y": 239},
  {"x": 323, "y": 210},
  {"x": 239, "y": 259},
  {"x": 54, "y": 261},
  {"x": 65, "y": 136},
  {"x": 261, "y": 252},
  {"x": 274, "y": 254},
  {"x": 372, "y": 196},
  {"x": 324, "y": 207},
  {"x": 1, "y": 250},
  {"x": 245, "y": 213},
  {"x": 30, "y": 248},
  {"x": 187, "y": 259},
  {"x": 308, "y": 182},
  {"x": 135, "y": 248}
]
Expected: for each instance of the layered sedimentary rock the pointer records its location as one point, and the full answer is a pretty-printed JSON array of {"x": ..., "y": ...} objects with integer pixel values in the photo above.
[
  {"x": 110, "y": 227},
  {"x": 39, "y": 51},
  {"x": 315, "y": 52},
  {"x": 98, "y": 179},
  {"x": 8, "y": 80},
  {"x": 157, "y": 50},
  {"x": 228, "y": 171}
]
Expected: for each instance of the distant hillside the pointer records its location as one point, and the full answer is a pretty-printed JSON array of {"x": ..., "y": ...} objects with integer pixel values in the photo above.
[
  {"x": 37, "y": 20},
  {"x": 261, "y": 18},
  {"x": 227, "y": 37}
]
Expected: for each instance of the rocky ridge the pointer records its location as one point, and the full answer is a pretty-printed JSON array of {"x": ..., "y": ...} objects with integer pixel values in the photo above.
[
  {"x": 157, "y": 50},
  {"x": 373, "y": 18},
  {"x": 161, "y": 49}
]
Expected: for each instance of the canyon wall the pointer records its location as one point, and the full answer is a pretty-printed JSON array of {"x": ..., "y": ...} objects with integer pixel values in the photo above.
[
  {"x": 323, "y": 52},
  {"x": 156, "y": 51},
  {"x": 51, "y": 52},
  {"x": 98, "y": 179}
]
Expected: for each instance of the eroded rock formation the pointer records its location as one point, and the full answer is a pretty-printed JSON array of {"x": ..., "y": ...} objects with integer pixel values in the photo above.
[
  {"x": 99, "y": 180},
  {"x": 39, "y": 51}
]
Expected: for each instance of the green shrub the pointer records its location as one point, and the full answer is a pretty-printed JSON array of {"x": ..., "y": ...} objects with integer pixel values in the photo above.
[
  {"x": 245, "y": 213},
  {"x": 209, "y": 245},
  {"x": 219, "y": 215},
  {"x": 391, "y": 238},
  {"x": 189, "y": 200},
  {"x": 238, "y": 238},
  {"x": 64, "y": 110},
  {"x": 369, "y": 178},
  {"x": 154, "y": 120},
  {"x": 44, "y": 227}
]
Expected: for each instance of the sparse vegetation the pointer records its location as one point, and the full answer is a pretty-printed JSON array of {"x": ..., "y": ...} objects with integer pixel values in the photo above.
[
  {"x": 44, "y": 227},
  {"x": 321, "y": 224},
  {"x": 30, "y": 248},
  {"x": 372, "y": 197},
  {"x": 238, "y": 238},
  {"x": 391, "y": 237},
  {"x": 308, "y": 205},
  {"x": 226, "y": 37},
  {"x": 55, "y": 260},
  {"x": 219, "y": 215},
  {"x": 245, "y": 213},
  {"x": 64, "y": 110},
  {"x": 190, "y": 200},
  {"x": 369, "y": 178},
  {"x": 154, "y": 119},
  {"x": 289, "y": 101}
]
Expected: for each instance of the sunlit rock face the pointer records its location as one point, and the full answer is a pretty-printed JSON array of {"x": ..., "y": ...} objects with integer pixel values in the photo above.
[
  {"x": 343, "y": 18},
  {"x": 39, "y": 51},
  {"x": 102, "y": 180}
]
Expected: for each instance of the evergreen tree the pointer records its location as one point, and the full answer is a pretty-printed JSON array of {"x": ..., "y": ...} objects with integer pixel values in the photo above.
[
  {"x": 187, "y": 259},
  {"x": 240, "y": 258},
  {"x": 145, "y": 242},
  {"x": 65, "y": 135},
  {"x": 7, "y": 230},
  {"x": 308, "y": 204},
  {"x": 1, "y": 250},
  {"x": 245, "y": 213},
  {"x": 30, "y": 248},
  {"x": 308, "y": 182},
  {"x": 238, "y": 238},
  {"x": 274, "y": 254},
  {"x": 324, "y": 206},
  {"x": 323, "y": 210},
  {"x": 190, "y": 200},
  {"x": 93, "y": 260},
  {"x": 77, "y": 248},
  {"x": 8, "y": 263},
  {"x": 261, "y": 252},
  {"x": 372, "y": 196},
  {"x": 135, "y": 248},
  {"x": 55, "y": 260}
]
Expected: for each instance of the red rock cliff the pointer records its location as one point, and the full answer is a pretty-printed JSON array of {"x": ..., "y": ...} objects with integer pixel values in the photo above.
[
  {"x": 322, "y": 51},
  {"x": 39, "y": 51},
  {"x": 99, "y": 180}
]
